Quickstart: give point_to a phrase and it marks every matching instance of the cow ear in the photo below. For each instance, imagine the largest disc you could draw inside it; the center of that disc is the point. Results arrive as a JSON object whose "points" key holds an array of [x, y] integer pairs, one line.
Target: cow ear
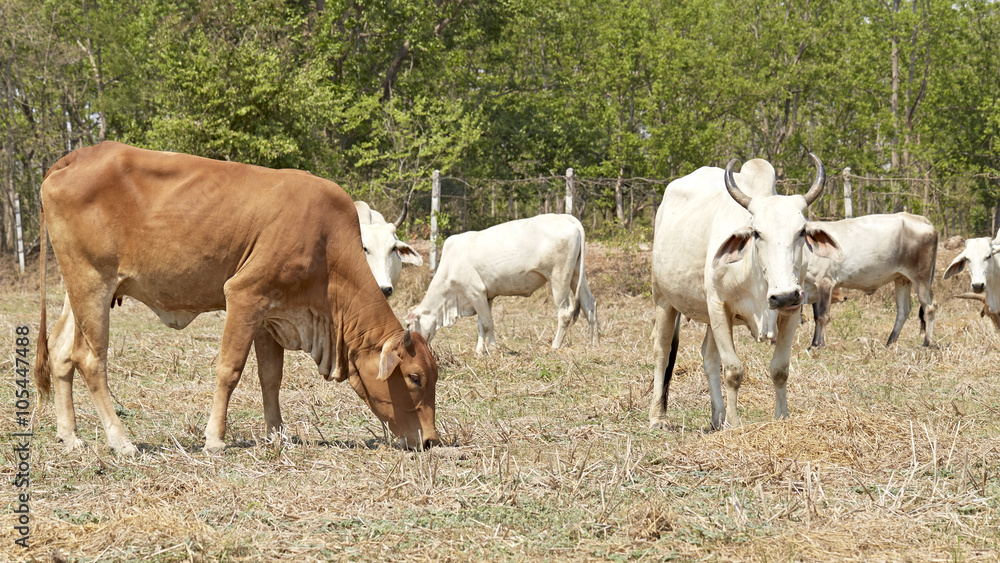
{"points": [[734, 248], [822, 244], [388, 360], [956, 266], [408, 254]]}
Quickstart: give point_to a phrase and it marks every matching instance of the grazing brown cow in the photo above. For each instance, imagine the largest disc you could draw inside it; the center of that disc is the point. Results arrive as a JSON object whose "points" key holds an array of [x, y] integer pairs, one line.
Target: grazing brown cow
{"points": [[279, 250]]}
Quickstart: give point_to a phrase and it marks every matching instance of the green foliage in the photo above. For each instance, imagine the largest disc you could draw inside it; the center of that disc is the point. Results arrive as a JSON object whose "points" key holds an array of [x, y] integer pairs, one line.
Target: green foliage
{"points": [[387, 91]]}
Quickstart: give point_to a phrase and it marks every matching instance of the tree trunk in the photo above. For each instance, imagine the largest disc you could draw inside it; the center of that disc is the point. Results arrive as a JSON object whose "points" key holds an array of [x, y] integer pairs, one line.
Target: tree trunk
{"points": [[619, 199]]}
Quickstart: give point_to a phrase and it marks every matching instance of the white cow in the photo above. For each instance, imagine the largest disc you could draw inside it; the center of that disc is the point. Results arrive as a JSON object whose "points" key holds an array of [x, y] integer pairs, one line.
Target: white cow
{"points": [[514, 258], [984, 269], [878, 249], [385, 252], [726, 249]]}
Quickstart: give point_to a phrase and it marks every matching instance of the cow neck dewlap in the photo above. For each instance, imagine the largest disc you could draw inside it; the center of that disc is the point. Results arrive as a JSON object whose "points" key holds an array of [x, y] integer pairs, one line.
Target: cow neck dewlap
{"points": [[311, 331]]}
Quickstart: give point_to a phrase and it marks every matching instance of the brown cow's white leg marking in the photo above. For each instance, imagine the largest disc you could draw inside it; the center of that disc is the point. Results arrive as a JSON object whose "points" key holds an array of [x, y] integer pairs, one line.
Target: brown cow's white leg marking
{"points": [[61, 362], [90, 356], [270, 356]]}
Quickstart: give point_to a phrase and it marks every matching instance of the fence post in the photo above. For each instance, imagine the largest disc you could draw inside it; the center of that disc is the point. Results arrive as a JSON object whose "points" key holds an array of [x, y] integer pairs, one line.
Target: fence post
{"points": [[435, 209], [848, 203], [570, 191], [20, 232]]}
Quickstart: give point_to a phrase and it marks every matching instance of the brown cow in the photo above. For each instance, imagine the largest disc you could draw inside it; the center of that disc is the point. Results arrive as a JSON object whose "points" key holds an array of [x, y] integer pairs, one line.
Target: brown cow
{"points": [[279, 250]]}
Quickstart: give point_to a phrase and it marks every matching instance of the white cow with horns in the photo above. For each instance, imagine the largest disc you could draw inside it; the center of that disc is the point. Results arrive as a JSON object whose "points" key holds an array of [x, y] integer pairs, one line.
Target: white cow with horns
{"points": [[384, 251], [513, 258], [980, 255], [878, 249], [726, 249]]}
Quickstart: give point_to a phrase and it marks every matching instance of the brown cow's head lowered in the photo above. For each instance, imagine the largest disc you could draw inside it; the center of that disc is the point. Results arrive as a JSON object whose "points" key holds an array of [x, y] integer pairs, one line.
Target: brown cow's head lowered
{"points": [[398, 386]]}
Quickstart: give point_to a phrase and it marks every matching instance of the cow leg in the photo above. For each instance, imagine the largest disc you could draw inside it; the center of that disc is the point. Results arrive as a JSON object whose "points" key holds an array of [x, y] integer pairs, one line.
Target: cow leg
{"points": [[484, 313], [270, 357], [712, 365], [821, 313], [732, 367], [781, 359], [927, 310], [589, 306], [902, 308], [242, 324], [565, 306], [61, 362], [665, 344], [92, 309]]}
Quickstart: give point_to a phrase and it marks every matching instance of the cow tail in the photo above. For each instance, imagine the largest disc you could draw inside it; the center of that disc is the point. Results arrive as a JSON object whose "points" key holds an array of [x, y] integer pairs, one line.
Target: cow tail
{"points": [[674, 344], [579, 280], [43, 379]]}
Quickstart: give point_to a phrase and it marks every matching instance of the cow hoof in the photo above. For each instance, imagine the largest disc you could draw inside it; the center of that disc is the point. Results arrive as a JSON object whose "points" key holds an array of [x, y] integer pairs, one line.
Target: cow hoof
{"points": [[72, 444], [126, 450], [659, 425], [214, 448]]}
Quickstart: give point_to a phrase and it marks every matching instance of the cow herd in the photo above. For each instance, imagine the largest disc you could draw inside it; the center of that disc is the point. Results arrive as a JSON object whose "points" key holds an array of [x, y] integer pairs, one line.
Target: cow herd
{"points": [[298, 266]]}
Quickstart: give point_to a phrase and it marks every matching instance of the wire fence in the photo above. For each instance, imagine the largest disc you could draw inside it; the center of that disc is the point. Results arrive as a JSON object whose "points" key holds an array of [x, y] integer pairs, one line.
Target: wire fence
{"points": [[607, 206], [613, 207]]}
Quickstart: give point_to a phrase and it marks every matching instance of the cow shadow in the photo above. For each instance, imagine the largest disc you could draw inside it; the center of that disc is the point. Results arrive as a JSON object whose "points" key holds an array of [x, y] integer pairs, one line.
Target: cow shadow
{"points": [[197, 447]]}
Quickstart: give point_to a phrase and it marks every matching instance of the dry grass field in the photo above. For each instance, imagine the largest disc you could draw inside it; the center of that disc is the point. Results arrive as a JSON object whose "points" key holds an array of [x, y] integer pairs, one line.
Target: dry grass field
{"points": [[889, 455]]}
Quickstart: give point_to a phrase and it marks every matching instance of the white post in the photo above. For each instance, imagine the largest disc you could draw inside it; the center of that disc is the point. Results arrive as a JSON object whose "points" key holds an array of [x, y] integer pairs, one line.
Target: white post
{"points": [[570, 191], [20, 232], [848, 204], [435, 209]]}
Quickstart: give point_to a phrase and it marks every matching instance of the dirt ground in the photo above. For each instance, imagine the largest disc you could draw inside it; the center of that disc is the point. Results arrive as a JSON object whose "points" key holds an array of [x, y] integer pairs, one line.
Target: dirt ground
{"points": [[890, 454]]}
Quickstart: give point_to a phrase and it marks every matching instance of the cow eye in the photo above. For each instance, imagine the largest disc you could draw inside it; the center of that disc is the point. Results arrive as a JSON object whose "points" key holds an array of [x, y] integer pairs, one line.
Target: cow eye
{"points": [[366, 249], [414, 378]]}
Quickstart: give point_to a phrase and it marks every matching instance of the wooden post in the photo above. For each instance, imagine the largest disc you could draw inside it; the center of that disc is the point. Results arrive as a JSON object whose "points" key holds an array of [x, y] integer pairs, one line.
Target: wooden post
{"points": [[20, 232], [435, 209], [848, 202], [570, 191]]}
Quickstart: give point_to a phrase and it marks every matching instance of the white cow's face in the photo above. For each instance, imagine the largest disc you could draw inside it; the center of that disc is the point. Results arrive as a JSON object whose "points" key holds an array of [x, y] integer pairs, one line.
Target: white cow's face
{"points": [[423, 322], [386, 254], [778, 230], [978, 256]]}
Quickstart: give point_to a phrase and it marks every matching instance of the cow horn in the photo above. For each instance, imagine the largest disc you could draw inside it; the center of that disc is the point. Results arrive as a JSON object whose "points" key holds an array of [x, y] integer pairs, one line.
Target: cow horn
{"points": [[407, 339], [817, 186], [734, 190], [402, 216]]}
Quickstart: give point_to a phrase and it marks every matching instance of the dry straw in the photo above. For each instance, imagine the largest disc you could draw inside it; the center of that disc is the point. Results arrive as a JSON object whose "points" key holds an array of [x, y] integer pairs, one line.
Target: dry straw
{"points": [[889, 455]]}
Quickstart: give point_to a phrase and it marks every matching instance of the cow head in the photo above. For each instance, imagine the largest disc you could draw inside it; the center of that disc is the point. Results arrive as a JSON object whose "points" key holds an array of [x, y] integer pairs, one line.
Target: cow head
{"points": [[777, 231], [978, 257], [422, 322], [398, 386], [386, 253]]}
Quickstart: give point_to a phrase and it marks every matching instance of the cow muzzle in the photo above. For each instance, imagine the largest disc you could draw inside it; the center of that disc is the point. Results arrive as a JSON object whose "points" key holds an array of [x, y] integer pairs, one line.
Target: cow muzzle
{"points": [[979, 287], [387, 291], [419, 443], [786, 301]]}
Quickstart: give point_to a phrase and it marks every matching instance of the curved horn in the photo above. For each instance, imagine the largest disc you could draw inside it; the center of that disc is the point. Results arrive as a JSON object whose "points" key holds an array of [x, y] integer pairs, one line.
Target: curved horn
{"points": [[817, 186], [407, 339], [734, 190], [402, 216]]}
